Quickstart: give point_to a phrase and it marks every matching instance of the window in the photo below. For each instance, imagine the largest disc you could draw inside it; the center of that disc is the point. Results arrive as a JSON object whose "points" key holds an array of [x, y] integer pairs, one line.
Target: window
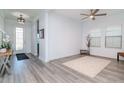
{"points": [[113, 37], [95, 39], [19, 38]]}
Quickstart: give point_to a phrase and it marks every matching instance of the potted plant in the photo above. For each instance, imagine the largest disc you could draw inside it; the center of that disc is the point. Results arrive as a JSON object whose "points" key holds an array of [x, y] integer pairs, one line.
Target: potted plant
{"points": [[5, 45], [3, 48]]}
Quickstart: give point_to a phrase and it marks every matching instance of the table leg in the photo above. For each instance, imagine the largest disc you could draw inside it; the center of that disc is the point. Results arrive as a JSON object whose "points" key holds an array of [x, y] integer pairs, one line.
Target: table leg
{"points": [[2, 70], [118, 57], [5, 66], [7, 69]]}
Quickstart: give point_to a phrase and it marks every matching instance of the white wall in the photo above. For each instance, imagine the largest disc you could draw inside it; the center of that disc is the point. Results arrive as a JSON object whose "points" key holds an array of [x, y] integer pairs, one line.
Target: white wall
{"points": [[10, 26], [43, 43], [102, 23], [64, 37], [1, 21], [34, 38]]}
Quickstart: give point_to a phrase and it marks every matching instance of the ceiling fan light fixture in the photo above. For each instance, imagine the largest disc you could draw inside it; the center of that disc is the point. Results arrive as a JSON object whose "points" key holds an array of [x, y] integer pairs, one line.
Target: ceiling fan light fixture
{"points": [[91, 16]]}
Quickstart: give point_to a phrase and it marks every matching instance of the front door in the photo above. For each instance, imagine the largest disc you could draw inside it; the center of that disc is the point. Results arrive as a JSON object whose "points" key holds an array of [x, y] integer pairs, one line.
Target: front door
{"points": [[19, 40]]}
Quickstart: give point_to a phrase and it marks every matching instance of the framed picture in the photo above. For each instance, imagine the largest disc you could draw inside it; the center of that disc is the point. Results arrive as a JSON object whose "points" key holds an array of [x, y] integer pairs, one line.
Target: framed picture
{"points": [[41, 34]]}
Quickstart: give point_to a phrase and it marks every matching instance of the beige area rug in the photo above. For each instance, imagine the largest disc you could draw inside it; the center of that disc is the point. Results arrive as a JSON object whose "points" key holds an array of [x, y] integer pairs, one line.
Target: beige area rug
{"points": [[87, 65]]}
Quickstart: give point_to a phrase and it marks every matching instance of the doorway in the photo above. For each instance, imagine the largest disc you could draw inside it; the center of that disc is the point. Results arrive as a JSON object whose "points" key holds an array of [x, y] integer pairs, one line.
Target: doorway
{"points": [[19, 40]]}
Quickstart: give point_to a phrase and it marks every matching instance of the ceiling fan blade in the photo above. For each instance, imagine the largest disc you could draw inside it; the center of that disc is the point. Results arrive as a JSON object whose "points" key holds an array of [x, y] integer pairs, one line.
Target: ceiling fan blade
{"points": [[84, 18], [91, 10], [85, 14], [95, 11], [104, 14]]}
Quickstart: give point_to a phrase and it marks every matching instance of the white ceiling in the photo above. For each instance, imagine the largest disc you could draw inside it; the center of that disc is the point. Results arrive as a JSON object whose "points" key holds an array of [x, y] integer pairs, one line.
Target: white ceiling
{"points": [[31, 13], [72, 13], [75, 13]]}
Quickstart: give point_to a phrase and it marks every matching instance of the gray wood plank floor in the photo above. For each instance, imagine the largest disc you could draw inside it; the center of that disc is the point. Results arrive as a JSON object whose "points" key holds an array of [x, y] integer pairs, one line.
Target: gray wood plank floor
{"points": [[35, 71]]}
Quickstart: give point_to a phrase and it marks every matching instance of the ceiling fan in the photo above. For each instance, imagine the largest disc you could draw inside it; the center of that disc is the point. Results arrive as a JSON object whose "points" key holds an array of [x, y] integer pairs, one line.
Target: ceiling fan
{"points": [[93, 14]]}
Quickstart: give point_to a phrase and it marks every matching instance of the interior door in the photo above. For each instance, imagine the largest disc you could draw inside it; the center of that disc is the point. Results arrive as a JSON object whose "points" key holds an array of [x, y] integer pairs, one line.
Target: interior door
{"points": [[19, 40]]}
